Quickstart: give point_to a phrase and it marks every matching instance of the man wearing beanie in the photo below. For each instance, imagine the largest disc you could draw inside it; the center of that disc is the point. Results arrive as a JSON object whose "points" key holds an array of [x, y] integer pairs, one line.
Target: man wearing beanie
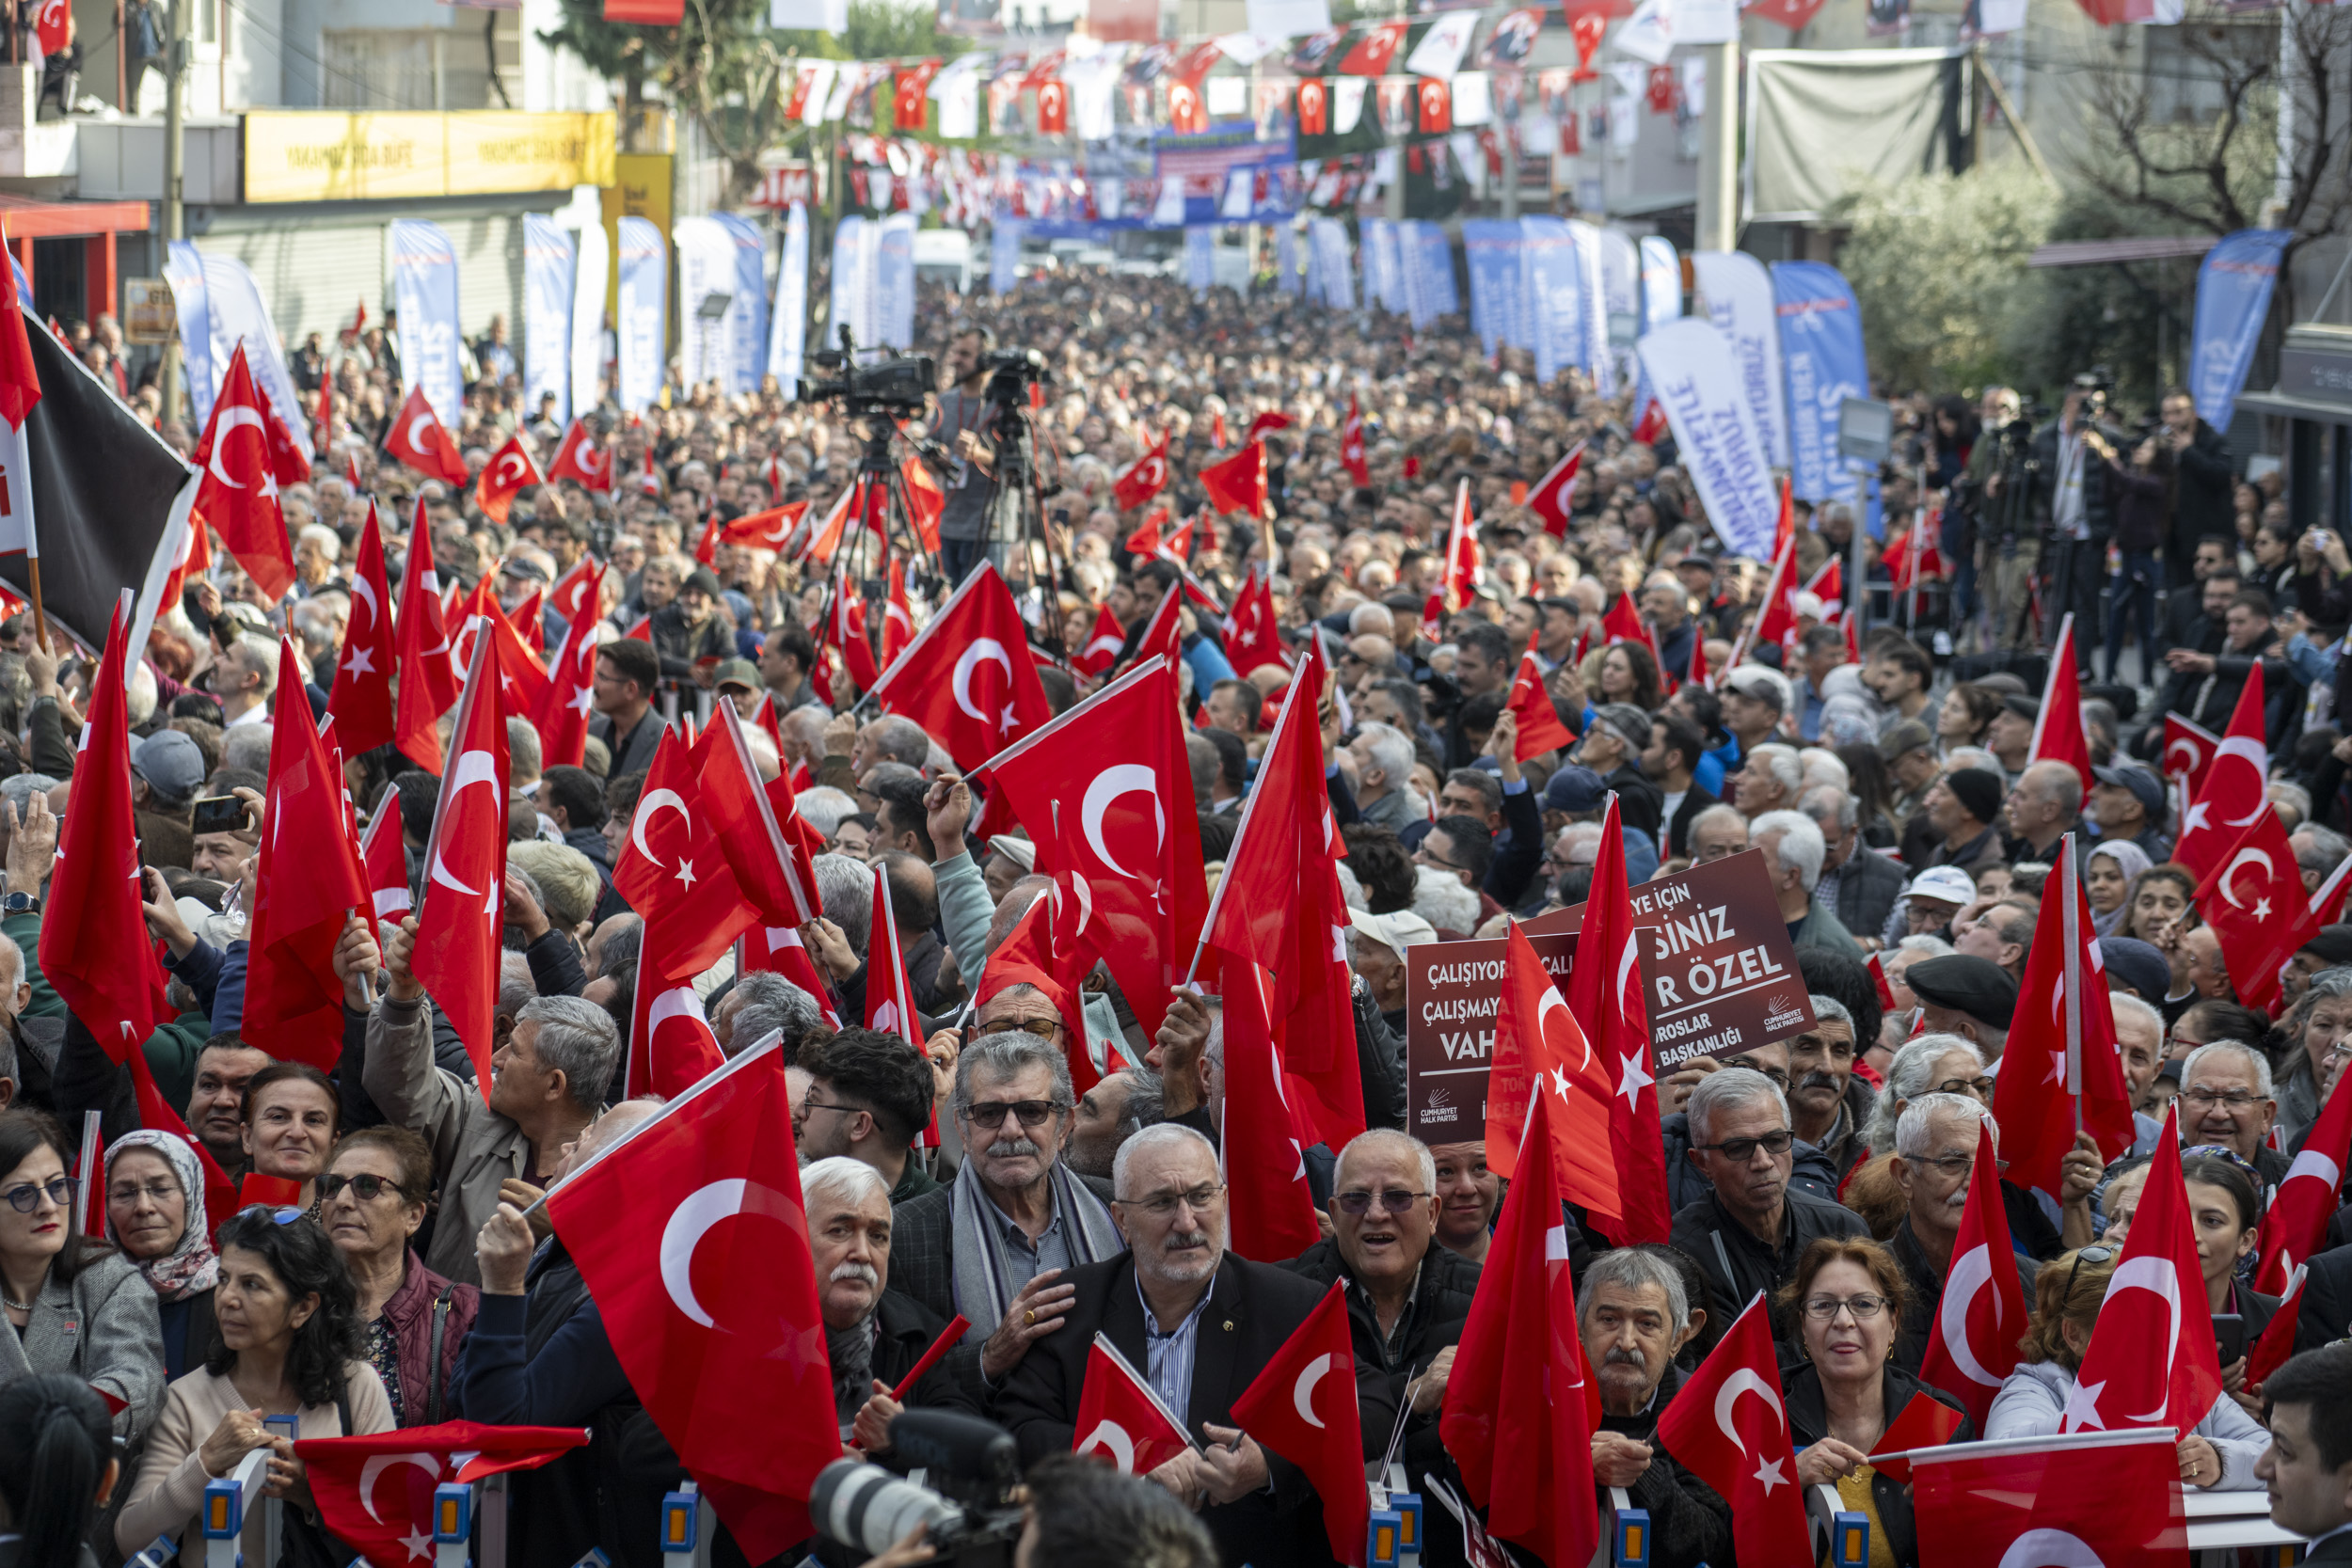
{"points": [[1958, 825]]}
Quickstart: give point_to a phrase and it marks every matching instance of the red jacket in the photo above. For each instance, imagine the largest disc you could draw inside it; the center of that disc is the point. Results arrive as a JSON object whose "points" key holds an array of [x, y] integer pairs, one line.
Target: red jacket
{"points": [[410, 1309]]}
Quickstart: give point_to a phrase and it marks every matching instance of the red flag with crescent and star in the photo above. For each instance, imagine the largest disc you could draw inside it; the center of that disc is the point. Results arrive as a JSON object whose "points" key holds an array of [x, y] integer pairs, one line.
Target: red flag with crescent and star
{"points": [[2115, 1502], [2058, 728], [1352, 445], [765, 530], [1239, 483], [1122, 1419], [967, 676], [1262, 1152], [458, 923], [1727, 1426], [374, 1493], [1102, 645], [580, 459], [238, 497], [1530, 703], [2255, 902], [361, 700], [670, 1045], [511, 470], [1552, 494], [571, 682], [428, 675], [1972, 1341], [417, 438], [1541, 1053], [2237, 784], [1302, 1406], [2296, 1225], [1609, 993], [384, 859], [1147, 477], [889, 997], [672, 868], [2188, 752]]}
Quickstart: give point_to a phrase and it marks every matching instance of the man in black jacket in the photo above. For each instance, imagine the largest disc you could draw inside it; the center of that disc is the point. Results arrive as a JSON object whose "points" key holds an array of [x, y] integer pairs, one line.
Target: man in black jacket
{"points": [[1935, 1153], [2202, 483], [1200, 1324], [2071, 504], [2204, 686], [1748, 1233], [1634, 1316]]}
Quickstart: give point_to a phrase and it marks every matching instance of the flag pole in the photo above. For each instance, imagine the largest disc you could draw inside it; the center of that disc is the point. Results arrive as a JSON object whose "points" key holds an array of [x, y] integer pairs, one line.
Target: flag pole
{"points": [[2070, 910], [40, 616]]}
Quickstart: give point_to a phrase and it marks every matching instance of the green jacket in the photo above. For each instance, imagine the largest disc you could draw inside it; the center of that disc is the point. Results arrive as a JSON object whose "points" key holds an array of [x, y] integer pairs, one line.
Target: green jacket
{"points": [[171, 1050]]}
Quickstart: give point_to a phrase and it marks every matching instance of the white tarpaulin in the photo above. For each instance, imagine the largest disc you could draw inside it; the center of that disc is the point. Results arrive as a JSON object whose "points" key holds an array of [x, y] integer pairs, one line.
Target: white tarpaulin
{"points": [[1694, 374], [1823, 121]]}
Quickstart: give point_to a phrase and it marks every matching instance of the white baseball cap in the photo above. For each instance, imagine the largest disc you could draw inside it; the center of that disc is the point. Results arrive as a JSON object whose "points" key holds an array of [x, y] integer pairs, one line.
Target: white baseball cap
{"points": [[1946, 884]]}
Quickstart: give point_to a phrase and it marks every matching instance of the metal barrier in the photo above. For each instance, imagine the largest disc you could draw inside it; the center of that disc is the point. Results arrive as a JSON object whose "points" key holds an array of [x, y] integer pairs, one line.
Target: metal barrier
{"points": [[2221, 1523], [225, 1503], [686, 1526]]}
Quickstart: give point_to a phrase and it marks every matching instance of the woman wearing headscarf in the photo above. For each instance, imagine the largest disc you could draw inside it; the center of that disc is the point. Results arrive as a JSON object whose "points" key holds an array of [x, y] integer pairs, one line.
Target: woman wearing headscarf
{"points": [[2107, 875], [155, 1214]]}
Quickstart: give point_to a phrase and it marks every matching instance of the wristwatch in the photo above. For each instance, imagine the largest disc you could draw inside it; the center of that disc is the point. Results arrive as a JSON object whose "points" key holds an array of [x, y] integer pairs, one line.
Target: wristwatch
{"points": [[21, 903]]}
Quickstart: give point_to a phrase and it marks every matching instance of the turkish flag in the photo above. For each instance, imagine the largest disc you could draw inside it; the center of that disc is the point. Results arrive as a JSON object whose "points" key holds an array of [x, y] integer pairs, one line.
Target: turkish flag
{"points": [[2188, 752], [907, 99], [528, 618], [2276, 1343], [238, 495], [1239, 483], [1053, 107], [1551, 496], [1540, 729], [1460, 580], [1541, 1053], [1102, 645], [361, 700], [571, 688], [1352, 445], [1108, 786], [1186, 114], [576, 593], [925, 501], [510, 471], [1607, 991], [1254, 636], [1623, 622], [522, 675], [778, 950], [1267, 419], [1742, 1447], [20, 379], [2061, 1072], [1437, 106], [673, 870], [384, 859], [374, 1493], [287, 460], [670, 1048], [308, 884], [2235, 790], [967, 677], [2296, 1222], [2261, 920], [1972, 1344], [2115, 1502], [1315, 107], [1375, 50], [94, 916], [579, 458], [897, 616], [417, 438], [1145, 479], [1302, 1406], [889, 999], [193, 563], [1777, 621], [1925, 1423], [2057, 730], [769, 864], [457, 950], [1517, 1417], [765, 530], [1145, 538], [706, 542], [692, 1236], [2157, 1297], [1262, 1154], [428, 677], [1121, 1418]]}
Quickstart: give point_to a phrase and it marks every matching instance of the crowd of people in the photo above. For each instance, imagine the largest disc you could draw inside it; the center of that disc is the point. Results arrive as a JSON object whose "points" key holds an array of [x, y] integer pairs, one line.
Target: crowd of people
{"points": [[407, 1273]]}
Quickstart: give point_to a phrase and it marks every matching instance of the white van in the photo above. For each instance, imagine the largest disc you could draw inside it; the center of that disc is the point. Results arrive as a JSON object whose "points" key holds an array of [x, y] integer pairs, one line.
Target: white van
{"points": [[944, 254]]}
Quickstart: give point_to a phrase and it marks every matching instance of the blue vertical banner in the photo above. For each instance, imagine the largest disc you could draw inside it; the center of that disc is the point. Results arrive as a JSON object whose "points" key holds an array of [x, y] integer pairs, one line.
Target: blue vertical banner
{"points": [[1592, 301], [1661, 302], [183, 269], [788, 323], [1554, 294], [894, 282], [747, 319], [1004, 255], [852, 303], [1286, 257], [589, 359], [1621, 298], [645, 325], [706, 274], [548, 272], [1820, 354], [1384, 246], [2234, 287], [1492, 249], [424, 291], [1333, 277], [1435, 253], [1199, 258]]}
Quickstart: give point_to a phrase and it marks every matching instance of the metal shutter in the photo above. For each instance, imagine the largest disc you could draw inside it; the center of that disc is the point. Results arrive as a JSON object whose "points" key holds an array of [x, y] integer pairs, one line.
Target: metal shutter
{"points": [[489, 272], [313, 274]]}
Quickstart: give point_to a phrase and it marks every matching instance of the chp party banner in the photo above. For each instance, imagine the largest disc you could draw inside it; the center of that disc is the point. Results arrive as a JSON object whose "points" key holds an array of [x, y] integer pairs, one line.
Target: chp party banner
{"points": [[1695, 374], [588, 357], [1199, 258], [1429, 291], [1497, 304], [1739, 299], [1554, 295], [1004, 255], [1286, 259], [183, 269], [1820, 351], [747, 314], [787, 325], [894, 282], [854, 239], [1330, 277], [644, 321], [2233, 286], [549, 270], [1593, 308], [705, 272], [425, 289]]}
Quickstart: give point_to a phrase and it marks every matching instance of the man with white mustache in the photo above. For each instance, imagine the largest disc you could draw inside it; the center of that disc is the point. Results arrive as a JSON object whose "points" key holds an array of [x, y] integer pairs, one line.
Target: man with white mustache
{"points": [[1634, 1315], [1935, 1153]]}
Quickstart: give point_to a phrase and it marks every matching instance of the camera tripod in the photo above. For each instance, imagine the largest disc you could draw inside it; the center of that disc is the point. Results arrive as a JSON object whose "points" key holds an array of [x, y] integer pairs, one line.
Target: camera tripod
{"points": [[1016, 514]]}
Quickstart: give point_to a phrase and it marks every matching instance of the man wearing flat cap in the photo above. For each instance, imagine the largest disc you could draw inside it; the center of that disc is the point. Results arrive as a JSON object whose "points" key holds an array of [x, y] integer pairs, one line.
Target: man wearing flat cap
{"points": [[1961, 994], [1963, 812], [2127, 801], [1613, 747], [2010, 737], [1908, 749]]}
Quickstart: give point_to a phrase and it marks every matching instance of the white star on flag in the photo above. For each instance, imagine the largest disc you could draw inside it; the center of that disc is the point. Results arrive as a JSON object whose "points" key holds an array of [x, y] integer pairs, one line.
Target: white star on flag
{"points": [[419, 1543], [1634, 1079], [2082, 1408], [686, 871], [358, 661], [581, 699], [1768, 1474]]}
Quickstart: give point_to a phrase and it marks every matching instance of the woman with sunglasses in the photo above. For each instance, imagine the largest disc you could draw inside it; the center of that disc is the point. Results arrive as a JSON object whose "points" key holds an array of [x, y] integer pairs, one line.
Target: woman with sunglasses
{"points": [[74, 1304], [155, 1214], [2217, 1454], [290, 1345], [2225, 1204], [373, 1195]]}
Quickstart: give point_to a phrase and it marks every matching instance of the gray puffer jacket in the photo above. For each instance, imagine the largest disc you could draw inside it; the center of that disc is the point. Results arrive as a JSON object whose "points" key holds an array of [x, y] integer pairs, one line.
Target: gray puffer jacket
{"points": [[2033, 1400]]}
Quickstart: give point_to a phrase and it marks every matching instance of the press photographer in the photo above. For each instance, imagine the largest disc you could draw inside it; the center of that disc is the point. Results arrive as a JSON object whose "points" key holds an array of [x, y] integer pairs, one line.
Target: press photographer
{"points": [[2070, 499], [969, 478]]}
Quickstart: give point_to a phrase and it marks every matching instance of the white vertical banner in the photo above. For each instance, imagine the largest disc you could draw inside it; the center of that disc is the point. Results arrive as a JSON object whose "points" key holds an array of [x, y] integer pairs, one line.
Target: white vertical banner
{"points": [[548, 272], [588, 285], [183, 269], [236, 315], [1694, 373], [705, 268], [1737, 294], [894, 283], [787, 320], [747, 318], [645, 325]]}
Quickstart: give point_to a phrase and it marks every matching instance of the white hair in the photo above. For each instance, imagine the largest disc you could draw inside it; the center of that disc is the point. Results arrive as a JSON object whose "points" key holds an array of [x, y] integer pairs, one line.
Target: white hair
{"points": [[852, 1181], [1913, 1134], [1718, 813], [1390, 753], [1439, 897], [323, 539], [1907, 1080], [824, 808], [1934, 947], [2253, 1058], [1823, 766], [1389, 1139], [1631, 1269], [1728, 1091], [1800, 843], [1780, 763], [2145, 1011], [1154, 1137]]}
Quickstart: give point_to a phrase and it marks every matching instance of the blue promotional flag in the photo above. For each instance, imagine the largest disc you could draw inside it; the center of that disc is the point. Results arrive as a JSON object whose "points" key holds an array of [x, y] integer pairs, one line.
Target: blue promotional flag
{"points": [[787, 334], [1199, 258], [894, 283], [1429, 261], [1492, 249], [1820, 354], [747, 318], [424, 291], [1004, 255], [1554, 296], [548, 272], [854, 239], [706, 274], [645, 325], [183, 270], [590, 360], [1286, 258], [2234, 287], [1661, 301]]}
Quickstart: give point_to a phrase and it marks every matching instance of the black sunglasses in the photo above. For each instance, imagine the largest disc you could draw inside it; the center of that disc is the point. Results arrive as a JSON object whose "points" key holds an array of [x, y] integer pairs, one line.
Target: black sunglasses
{"points": [[26, 1197], [1396, 1200], [368, 1185], [1741, 1150], [992, 1113], [2094, 1256]]}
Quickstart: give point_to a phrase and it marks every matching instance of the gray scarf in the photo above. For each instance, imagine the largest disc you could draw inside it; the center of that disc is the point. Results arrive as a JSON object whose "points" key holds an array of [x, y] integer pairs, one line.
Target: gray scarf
{"points": [[984, 1281], [852, 1353]]}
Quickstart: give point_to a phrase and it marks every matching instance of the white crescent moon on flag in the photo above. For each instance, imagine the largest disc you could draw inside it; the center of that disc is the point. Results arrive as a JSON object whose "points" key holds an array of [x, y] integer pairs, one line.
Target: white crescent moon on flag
{"points": [[1625, 971], [362, 589], [1746, 1381], [473, 767], [1554, 1001], [2050, 1549], [231, 417], [2252, 752], [383, 1462], [587, 459], [2263, 856], [688, 1222], [1109, 784], [1303, 1391], [653, 803], [416, 432], [678, 1002], [2156, 1277], [1971, 1274], [2182, 744], [1112, 1437], [513, 463], [981, 648]]}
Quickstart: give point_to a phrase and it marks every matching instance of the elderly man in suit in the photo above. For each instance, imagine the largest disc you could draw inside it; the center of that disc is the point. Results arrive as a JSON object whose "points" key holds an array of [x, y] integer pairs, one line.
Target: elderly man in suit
{"points": [[2308, 1467], [1200, 1323]]}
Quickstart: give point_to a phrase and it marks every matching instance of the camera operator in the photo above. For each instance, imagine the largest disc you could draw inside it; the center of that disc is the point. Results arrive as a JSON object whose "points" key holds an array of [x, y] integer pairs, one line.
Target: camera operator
{"points": [[969, 477], [1994, 489], [2071, 502], [2202, 483], [1084, 1514]]}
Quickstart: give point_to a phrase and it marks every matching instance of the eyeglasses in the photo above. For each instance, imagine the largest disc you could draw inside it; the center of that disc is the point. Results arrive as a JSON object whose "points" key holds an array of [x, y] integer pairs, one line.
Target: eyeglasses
{"points": [[1741, 1150], [2222, 1151], [1958, 1164], [2094, 1256], [1043, 1028], [2236, 1099], [26, 1198], [1423, 857], [1822, 1310], [1396, 1200], [155, 1192], [368, 1185], [1160, 1205], [992, 1113], [1980, 1087]]}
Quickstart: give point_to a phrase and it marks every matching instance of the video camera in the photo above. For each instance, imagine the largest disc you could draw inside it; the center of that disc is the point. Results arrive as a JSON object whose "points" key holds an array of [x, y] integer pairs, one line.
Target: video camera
{"points": [[2097, 386], [896, 387], [1011, 373], [861, 1510]]}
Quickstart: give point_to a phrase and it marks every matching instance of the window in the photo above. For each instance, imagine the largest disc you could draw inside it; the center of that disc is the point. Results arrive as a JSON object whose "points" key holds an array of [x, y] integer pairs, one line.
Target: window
{"points": [[2191, 67]]}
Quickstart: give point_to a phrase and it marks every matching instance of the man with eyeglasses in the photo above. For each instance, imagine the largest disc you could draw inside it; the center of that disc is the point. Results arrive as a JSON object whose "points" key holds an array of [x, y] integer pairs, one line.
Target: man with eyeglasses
{"points": [[1200, 1324], [870, 1094], [997, 1243], [1936, 1154], [1748, 1232], [2226, 1099]]}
